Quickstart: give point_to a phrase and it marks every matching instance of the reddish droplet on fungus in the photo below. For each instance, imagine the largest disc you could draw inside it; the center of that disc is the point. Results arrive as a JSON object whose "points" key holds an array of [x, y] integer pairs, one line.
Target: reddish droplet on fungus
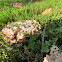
{"points": [[20, 39], [23, 31], [12, 39]]}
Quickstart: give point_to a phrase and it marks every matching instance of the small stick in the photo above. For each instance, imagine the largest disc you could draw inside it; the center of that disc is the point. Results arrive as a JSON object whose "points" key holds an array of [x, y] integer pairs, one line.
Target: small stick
{"points": [[42, 35]]}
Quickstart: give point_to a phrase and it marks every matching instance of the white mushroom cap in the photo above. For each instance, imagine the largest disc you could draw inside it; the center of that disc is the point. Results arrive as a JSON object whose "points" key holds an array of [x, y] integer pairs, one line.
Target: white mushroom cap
{"points": [[20, 36], [12, 41], [7, 32]]}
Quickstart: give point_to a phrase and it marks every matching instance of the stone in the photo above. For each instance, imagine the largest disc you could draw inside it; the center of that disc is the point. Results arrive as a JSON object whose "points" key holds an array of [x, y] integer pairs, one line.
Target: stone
{"points": [[55, 55], [45, 60]]}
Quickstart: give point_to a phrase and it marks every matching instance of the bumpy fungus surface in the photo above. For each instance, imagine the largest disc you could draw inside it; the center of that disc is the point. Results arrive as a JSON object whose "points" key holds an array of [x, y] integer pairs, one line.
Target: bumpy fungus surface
{"points": [[17, 30]]}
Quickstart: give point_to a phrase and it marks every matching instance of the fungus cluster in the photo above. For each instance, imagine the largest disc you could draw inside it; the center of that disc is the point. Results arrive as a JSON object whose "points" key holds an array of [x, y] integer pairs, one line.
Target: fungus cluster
{"points": [[16, 30]]}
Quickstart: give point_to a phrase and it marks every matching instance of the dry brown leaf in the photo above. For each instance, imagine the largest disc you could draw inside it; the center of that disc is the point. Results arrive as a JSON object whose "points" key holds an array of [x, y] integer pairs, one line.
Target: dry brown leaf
{"points": [[17, 5], [47, 11]]}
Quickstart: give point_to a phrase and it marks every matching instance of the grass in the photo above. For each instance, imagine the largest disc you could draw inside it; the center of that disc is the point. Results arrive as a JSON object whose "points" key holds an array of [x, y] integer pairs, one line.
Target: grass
{"points": [[32, 11]]}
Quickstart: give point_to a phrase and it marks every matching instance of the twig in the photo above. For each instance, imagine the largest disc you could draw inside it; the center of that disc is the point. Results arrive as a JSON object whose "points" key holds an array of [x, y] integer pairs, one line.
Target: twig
{"points": [[42, 36]]}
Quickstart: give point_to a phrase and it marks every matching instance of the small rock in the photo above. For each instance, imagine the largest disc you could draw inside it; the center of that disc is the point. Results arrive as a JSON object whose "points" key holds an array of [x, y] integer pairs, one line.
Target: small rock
{"points": [[55, 55], [45, 60]]}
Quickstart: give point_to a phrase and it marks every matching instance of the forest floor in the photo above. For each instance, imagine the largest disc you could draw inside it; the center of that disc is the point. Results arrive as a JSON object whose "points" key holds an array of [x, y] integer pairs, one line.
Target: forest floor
{"points": [[55, 53]]}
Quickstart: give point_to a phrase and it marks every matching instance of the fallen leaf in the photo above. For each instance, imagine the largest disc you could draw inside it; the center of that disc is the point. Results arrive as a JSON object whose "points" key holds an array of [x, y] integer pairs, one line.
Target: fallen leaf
{"points": [[47, 11], [17, 5]]}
